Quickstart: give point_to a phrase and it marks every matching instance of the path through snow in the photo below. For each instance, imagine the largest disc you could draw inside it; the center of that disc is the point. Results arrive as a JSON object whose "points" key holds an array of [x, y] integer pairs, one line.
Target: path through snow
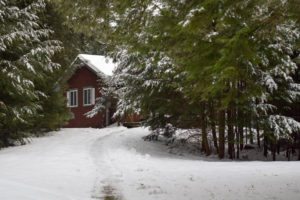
{"points": [[83, 164], [54, 167]]}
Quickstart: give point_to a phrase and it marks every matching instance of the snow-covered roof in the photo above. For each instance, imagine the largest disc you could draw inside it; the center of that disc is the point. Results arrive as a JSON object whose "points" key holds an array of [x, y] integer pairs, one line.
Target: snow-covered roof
{"points": [[99, 64]]}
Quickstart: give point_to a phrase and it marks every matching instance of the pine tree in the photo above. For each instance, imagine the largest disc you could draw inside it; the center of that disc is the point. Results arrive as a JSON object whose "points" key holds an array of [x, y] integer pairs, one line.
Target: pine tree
{"points": [[25, 57]]}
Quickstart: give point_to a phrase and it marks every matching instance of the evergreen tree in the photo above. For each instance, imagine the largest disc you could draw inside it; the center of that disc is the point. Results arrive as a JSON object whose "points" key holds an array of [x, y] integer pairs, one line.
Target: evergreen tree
{"points": [[25, 58]]}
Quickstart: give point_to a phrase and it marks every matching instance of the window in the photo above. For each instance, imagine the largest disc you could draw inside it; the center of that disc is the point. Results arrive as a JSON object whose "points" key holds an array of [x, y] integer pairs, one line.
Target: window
{"points": [[72, 97], [88, 96]]}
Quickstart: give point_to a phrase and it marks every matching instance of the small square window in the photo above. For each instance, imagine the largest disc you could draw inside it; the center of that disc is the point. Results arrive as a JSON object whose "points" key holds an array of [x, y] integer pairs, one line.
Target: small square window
{"points": [[88, 96], [72, 97]]}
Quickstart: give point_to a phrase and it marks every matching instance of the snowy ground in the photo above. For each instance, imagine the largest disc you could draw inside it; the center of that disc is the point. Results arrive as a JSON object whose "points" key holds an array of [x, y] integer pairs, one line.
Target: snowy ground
{"points": [[87, 164]]}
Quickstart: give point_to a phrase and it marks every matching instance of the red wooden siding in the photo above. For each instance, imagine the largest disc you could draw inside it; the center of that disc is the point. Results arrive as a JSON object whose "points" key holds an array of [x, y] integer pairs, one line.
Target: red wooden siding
{"points": [[81, 79]]}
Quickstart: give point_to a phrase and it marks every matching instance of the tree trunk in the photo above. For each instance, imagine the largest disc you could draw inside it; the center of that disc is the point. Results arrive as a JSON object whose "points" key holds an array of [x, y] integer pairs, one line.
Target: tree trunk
{"points": [[214, 133], [205, 145], [274, 154], [265, 145], [257, 134], [240, 129], [236, 131], [251, 134], [230, 134], [4, 138], [298, 144], [237, 144], [240, 119], [221, 134], [213, 126], [274, 148], [246, 134]]}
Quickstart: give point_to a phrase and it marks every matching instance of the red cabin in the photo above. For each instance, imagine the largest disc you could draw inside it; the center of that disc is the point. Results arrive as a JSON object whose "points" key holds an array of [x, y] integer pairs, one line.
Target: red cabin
{"points": [[88, 73]]}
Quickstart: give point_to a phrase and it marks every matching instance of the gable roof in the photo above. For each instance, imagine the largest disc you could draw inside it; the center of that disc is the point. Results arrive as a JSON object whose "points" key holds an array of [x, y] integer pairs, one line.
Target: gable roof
{"points": [[100, 65]]}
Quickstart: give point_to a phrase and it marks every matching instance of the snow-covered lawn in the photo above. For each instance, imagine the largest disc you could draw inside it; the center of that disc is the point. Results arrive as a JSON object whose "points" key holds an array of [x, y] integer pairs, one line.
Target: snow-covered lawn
{"points": [[85, 164]]}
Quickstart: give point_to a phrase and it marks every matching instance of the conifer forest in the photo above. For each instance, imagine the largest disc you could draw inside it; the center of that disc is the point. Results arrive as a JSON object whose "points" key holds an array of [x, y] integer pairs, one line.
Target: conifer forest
{"points": [[149, 99], [229, 69]]}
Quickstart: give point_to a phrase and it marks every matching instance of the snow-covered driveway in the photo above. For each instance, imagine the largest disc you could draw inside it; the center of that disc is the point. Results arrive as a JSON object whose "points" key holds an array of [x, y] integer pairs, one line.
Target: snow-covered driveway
{"points": [[85, 164], [55, 167]]}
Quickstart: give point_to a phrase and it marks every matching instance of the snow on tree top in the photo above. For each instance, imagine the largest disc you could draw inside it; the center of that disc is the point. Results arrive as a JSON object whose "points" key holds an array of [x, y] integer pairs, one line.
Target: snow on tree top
{"points": [[100, 64]]}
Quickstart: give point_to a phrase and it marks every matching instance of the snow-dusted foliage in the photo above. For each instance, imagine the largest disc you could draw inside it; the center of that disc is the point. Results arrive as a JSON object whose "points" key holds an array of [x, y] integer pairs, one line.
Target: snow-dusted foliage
{"points": [[276, 66], [190, 16], [253, 47], [259, 40], [283, 126], [274, 73], [25, 55], [107, 95], [207, 64], [145, 83], [126, 78]]}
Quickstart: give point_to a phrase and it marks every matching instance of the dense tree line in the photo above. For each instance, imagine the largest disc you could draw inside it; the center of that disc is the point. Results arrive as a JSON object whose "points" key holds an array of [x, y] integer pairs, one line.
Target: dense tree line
{"points": [[223, 66]]}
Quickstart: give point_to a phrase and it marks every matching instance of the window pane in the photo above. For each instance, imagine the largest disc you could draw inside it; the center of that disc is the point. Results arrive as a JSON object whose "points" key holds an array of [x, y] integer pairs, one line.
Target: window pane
{"points": [[87, 96], [92, 95], [73, 98]]}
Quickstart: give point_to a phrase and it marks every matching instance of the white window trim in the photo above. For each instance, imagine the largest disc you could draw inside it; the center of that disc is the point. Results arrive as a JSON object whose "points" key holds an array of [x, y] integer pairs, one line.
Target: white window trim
{"points": [[92, 96], [68, 98]]}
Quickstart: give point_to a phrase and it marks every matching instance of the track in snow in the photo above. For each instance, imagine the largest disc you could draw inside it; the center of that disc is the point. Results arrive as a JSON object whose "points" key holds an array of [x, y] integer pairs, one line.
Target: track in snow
{"points": [[55, 167], [87, 164]]}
